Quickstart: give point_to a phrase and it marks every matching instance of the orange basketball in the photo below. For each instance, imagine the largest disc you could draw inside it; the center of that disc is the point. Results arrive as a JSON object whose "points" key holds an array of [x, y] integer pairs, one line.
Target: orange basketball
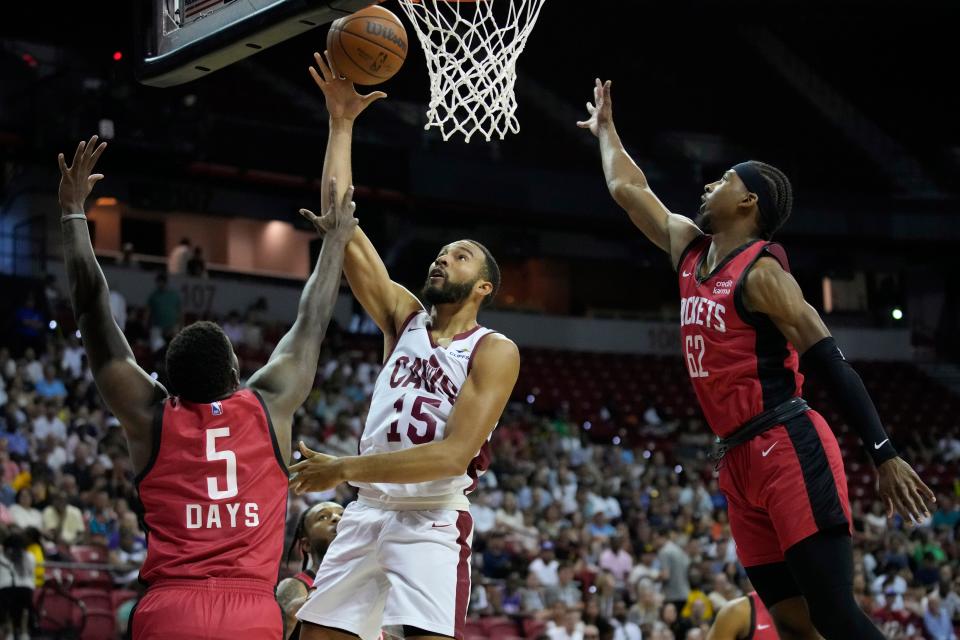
{"points": [[368, 46]]}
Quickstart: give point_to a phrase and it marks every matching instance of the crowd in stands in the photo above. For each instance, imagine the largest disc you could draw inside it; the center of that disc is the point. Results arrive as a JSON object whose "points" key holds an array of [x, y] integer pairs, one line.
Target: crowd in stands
{"points": [[574, 539]]}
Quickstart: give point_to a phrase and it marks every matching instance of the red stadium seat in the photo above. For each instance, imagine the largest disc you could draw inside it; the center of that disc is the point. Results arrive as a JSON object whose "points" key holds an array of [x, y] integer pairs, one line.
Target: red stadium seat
{"points": [[497, 622], [100, 625], [58, 612], [533, 628], [90, 553], [94, 598]]}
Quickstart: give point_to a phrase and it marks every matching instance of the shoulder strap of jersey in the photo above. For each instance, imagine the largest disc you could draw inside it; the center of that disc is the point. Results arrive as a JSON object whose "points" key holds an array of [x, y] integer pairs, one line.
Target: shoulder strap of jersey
{"points": [[156, 430], [697, 243], [774, 250], [273, 434]]}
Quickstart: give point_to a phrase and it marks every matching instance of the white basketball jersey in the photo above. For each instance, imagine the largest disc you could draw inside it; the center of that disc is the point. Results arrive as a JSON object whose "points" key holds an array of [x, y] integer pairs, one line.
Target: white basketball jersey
{"points": [[412, 401]]}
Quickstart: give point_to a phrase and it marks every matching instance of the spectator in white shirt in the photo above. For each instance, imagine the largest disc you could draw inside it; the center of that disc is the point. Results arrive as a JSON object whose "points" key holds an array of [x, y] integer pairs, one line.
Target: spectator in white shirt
{"points": [[23, 514], [545, 566], [484, 517], [72, 360], [49, 423], [623, 629], [570, 626]]}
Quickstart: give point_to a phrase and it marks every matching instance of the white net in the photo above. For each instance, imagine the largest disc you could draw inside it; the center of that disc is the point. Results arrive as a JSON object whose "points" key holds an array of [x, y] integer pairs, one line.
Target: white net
{"points": [[472, 50]]}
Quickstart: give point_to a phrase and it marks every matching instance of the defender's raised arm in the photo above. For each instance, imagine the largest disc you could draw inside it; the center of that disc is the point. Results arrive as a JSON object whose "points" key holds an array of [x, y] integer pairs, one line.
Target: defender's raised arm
{"points": [[628, 185]]}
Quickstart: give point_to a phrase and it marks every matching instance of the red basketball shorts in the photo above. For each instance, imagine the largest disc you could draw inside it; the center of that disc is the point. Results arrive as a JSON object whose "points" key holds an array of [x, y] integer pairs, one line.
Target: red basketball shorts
{"points": [[783, 486], [210, 609]]}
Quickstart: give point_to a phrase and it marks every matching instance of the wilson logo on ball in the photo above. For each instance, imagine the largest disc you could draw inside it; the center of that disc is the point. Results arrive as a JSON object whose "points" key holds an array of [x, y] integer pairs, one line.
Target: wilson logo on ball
{"points": [[385, 32]]}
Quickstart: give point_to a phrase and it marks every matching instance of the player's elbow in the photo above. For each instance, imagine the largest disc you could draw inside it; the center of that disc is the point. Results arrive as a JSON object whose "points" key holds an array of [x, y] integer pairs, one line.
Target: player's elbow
{"points": [[624, 191]]}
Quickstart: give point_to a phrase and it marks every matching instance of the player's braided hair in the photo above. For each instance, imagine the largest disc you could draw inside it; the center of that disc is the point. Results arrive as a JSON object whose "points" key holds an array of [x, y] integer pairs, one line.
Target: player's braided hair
{"points": [[781, 193], [298, 534], [199, 363], [491, 272]]}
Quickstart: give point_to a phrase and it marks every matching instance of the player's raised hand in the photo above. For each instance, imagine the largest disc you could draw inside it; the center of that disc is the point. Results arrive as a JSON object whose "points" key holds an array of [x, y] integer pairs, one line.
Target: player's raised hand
{"points": [[338, 219], [76, 181], [343, 101], [903, 492], [600, 110], [316, 472]]}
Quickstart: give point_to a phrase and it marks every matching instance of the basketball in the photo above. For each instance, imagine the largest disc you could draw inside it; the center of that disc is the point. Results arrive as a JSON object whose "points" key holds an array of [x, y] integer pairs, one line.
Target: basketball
{"points": [[369, 46]]}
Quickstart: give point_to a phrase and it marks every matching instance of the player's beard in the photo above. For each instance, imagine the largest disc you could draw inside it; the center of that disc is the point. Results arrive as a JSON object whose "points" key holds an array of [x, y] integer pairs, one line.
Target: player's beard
{"points": [[448, 293], [704, 221]]}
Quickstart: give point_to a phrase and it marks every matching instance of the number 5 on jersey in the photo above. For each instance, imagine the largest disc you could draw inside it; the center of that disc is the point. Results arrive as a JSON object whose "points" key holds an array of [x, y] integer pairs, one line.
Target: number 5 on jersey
{"points": [[416, 413], [694, 347], [229, 457]]}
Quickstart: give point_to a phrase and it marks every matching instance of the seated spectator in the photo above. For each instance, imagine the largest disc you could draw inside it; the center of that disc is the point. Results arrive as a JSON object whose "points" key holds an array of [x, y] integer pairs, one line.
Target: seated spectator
{"points": [[484, 517], [50, 424], [62, 522], [497, 561], [103, 526], [545, 566], [532, 597], [617, 561], [23, 512], [936, 619], [623, 627], [51, 387], [567, 591], [566, 624], [599, 527]]}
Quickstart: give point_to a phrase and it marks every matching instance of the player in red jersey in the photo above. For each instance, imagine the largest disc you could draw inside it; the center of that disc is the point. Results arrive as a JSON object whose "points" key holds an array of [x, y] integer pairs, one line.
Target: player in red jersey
{"points": [[743, 618], [211, 460], [743, 323], [316, 529]]}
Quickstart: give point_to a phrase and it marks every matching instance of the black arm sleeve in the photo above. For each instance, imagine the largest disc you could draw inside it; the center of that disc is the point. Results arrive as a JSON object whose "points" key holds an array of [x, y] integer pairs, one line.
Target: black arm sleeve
{"points": [[825, 361]]}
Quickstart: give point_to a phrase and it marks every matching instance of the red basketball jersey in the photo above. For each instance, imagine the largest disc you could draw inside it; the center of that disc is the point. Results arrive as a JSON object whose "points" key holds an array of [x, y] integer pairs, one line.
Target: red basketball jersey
{"points": [[739, 362], [215, 492], [761, 627]]}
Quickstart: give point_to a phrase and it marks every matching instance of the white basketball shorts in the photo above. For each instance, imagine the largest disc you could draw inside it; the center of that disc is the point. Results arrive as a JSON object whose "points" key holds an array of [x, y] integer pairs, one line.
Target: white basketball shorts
{"points": [[394, 568]]}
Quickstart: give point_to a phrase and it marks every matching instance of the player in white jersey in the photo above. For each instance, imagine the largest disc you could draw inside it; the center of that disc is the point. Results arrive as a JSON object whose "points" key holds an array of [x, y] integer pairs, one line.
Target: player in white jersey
{"points": [[402, 551]]}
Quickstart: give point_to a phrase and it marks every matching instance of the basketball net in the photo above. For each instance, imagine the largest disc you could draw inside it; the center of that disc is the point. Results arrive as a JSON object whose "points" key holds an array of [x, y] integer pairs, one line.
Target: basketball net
{"points": [[472, 61]]}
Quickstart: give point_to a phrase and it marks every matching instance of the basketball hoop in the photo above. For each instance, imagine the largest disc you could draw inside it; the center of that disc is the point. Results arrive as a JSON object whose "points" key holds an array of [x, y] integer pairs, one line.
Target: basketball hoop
{"points": [[472, 48]]}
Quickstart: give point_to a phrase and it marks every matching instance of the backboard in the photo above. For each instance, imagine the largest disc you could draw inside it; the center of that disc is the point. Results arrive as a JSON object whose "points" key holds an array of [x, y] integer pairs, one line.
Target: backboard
{"points": [[184, 40]]}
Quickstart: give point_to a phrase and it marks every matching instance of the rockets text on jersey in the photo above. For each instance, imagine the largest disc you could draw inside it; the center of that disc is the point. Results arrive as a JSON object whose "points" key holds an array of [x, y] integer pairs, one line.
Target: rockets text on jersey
{"points": [[738, 361]]}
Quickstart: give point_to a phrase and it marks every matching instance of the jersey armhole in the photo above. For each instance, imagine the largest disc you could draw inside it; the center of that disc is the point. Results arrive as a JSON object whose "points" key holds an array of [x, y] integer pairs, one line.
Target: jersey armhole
{"points": [[686, 250], [273, 434], [773, 250], [156, 435], [403, 327], [476, 346]]}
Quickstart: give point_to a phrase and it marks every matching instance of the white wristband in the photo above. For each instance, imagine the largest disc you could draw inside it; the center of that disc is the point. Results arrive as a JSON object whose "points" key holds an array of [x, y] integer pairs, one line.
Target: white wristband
{"points": [[73, 216]]}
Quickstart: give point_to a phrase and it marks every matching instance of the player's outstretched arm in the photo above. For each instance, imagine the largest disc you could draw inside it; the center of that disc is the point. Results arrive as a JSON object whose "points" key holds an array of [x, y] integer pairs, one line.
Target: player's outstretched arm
{"points": [[387, 302], [732, 621], [130, 393], [287, 378], [628, 185], [482, 399], [770, 290]]}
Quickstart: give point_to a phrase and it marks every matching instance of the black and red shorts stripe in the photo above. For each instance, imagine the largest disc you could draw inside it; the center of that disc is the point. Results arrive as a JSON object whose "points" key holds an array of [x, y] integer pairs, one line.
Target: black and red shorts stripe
{"points": [[783, 486]]}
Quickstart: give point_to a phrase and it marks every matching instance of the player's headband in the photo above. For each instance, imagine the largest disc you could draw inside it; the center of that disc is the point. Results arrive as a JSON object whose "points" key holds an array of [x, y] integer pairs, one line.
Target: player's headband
{"points": [[755, 183]]}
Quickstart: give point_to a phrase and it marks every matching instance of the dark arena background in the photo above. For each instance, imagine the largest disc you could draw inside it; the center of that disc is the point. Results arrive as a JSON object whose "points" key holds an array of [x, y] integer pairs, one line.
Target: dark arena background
{"points": [[601, 460]]}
